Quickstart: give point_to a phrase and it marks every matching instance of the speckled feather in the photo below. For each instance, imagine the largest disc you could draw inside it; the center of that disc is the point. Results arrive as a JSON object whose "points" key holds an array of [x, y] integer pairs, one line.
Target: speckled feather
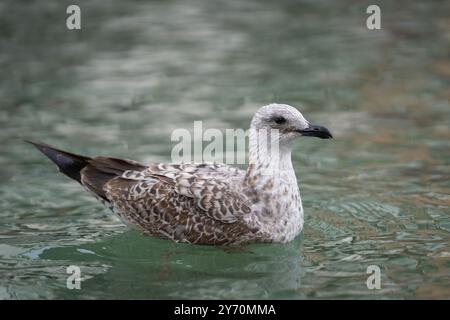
{"points": [[205, 203], [193, 203]]}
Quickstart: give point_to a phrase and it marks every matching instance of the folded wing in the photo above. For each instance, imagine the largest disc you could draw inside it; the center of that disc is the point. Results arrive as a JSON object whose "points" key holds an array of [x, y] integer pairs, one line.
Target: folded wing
{"points": [[204, 189]]}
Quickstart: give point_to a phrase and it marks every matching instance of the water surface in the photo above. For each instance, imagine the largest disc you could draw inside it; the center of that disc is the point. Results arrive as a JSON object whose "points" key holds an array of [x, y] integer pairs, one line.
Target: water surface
{"points": [[378, 194]]}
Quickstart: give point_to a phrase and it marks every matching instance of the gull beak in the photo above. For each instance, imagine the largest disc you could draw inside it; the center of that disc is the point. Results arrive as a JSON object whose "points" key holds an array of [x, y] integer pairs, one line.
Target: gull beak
{"points": [[316, 131]]}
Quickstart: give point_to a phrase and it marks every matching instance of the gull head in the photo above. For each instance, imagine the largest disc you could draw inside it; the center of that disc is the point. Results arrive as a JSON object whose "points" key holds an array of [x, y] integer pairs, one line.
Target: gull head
{"points": [[288, 122]]}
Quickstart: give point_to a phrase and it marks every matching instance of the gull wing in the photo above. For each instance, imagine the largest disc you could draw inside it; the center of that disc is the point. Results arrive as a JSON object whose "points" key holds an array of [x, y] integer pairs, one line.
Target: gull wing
{"points": [[187, 189]]}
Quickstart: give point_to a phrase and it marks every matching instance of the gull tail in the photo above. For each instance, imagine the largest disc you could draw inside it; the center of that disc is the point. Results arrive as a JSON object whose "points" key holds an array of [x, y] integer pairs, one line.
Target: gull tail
{"points": [[68, 163], [92, 173]]}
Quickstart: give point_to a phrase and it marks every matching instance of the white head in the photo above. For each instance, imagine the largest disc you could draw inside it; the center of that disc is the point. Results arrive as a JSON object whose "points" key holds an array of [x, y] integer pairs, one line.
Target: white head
{"points": [[288, 121]]}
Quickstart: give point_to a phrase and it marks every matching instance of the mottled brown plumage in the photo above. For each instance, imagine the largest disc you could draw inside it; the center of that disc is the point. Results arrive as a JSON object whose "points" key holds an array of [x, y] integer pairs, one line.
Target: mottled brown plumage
{"points": [[205, 203], [192, 203]]}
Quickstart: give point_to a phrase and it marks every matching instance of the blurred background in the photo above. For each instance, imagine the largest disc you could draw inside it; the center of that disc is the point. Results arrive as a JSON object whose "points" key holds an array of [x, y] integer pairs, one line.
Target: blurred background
{"points": [[378, 194]]}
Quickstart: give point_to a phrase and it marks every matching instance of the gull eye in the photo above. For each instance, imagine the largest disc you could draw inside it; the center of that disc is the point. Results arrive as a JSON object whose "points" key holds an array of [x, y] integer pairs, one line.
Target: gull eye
{"points": [[279, 120]]}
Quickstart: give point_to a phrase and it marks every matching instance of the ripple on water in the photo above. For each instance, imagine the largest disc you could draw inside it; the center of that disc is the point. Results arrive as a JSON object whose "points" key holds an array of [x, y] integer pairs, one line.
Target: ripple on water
{"points": [[376, 194]]}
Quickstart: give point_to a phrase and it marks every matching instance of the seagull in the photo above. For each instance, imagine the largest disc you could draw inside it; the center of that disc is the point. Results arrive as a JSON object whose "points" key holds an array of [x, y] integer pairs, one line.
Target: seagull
{"points": [[206, 203]]}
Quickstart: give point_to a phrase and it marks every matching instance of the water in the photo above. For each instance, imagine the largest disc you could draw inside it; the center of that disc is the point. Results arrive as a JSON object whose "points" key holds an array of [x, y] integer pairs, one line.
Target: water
{"points": [[378, 194]]}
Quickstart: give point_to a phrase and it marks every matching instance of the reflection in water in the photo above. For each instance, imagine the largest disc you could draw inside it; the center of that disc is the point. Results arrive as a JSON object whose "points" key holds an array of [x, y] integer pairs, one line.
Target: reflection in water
{"points": [[177, 271], [378, 195], [180, 272]]}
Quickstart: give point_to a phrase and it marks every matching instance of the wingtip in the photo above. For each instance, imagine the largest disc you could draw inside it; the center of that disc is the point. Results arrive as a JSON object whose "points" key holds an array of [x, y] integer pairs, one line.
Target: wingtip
{"points": [[68, 163], [28, 141], [37, 144], [32, 142]]}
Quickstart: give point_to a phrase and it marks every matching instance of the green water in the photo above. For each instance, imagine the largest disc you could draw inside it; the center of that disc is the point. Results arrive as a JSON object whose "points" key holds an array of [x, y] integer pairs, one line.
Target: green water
{"points": [[377, 194]]}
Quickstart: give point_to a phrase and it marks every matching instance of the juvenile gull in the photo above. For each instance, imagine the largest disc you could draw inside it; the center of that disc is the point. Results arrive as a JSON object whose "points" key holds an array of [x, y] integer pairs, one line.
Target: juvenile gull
{"points": [[206, 203]]}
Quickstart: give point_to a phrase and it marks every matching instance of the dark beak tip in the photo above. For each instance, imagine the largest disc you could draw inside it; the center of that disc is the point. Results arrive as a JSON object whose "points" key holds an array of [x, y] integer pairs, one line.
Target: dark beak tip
{"points": [[317, 131]]}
